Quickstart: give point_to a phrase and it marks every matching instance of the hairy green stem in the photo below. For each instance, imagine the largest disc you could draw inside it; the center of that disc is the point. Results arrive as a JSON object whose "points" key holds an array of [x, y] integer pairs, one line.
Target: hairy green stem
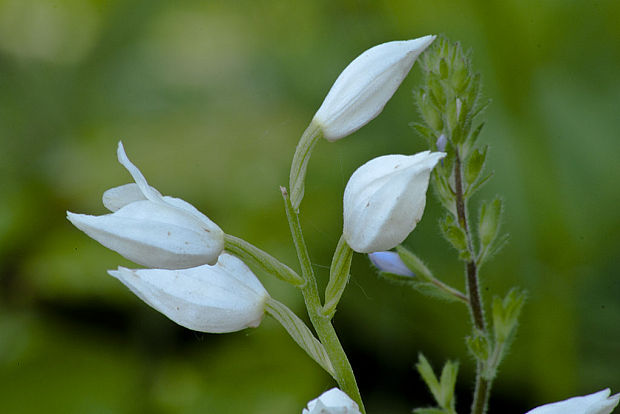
{"points": [[322, 324], [481, 393], [483, 386]]}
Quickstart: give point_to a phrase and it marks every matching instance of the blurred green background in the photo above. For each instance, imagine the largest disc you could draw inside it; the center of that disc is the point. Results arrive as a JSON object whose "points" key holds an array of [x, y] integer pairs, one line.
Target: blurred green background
{"points": [[210, 98]]}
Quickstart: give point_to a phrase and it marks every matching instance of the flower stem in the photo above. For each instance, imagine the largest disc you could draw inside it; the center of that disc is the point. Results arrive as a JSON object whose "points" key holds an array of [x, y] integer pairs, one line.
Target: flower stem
{"points": [[483, 386], [322, 324]]}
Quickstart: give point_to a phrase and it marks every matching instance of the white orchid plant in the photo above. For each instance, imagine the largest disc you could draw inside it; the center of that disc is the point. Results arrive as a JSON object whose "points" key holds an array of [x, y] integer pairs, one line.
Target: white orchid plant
{"points": [[202, 278]]}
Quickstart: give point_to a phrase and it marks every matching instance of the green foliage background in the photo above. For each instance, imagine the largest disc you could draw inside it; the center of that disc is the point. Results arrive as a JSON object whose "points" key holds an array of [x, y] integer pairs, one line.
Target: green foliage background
{"points": [[210, 98]]}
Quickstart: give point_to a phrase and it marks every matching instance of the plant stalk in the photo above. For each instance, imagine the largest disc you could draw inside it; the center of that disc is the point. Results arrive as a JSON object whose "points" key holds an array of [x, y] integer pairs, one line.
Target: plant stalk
{"points": [[322, 324], [483, 386]]}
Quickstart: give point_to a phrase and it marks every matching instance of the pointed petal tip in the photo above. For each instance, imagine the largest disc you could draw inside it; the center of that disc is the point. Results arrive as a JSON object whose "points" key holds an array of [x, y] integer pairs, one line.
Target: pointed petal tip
{"points": [[76, 218], [421, 43], [117, 273]]}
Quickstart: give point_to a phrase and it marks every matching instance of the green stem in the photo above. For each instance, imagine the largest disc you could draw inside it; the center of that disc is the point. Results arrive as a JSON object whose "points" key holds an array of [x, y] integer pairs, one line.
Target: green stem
{"points": [[322, 324], [252, 255], [483, 386], [481, 393]]}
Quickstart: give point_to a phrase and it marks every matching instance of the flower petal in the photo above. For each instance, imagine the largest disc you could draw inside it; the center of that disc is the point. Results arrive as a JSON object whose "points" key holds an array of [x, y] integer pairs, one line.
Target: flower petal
{"points": [[149, 192], [226, 297], [366, 85]]}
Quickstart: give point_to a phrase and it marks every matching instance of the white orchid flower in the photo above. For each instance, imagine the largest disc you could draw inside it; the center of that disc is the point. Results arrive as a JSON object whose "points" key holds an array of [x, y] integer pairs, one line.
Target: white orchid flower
{"points": [[226, 297], [366, 85], [384, 200], [150, 229]]}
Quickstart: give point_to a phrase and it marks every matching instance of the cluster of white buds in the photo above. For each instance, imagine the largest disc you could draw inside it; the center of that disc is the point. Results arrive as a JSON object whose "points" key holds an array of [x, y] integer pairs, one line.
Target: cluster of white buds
{"points": [[191, 281]]}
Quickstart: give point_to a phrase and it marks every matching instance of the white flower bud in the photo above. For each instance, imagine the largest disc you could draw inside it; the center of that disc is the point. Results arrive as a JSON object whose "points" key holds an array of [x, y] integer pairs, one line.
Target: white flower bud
{"points": [[333, 401], [226, 297], [384, 200], [364, 87], [390, 262], [597, 403], [150, 229]]}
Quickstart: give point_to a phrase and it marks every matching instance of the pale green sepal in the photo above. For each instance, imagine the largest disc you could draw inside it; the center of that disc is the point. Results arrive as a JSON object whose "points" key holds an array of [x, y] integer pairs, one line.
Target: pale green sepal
{"points": [[297, 178], [253, 256], [300, 333], [338, 277]]}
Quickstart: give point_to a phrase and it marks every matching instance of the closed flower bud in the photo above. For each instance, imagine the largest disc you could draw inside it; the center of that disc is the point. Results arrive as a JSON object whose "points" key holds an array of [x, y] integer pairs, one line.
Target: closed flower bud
{"points": [[385, 198], [150, 229], [333, 401], [390, 262], [597, 403], [364, 87], [226, 297]]}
